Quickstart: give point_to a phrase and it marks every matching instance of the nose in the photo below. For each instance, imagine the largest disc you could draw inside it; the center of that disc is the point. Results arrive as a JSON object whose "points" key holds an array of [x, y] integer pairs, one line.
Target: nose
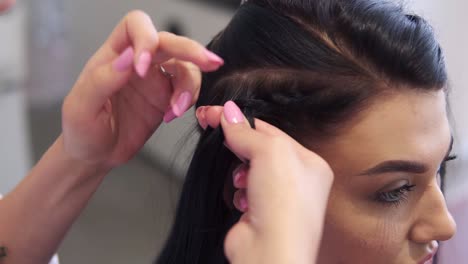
{"points": [[434, 220]]}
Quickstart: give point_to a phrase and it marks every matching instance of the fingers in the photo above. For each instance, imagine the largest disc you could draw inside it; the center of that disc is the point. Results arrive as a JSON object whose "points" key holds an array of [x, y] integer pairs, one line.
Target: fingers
{"points": [[239, 177], [134, 46], [240, 138], [186, 84], [238, 241], [96, 86], [209, 116], [240, 200], [138, 31], [182, 48]]}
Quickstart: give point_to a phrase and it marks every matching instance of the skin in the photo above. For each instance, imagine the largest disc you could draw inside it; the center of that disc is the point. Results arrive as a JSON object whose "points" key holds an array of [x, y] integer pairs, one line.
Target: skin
{"points": [[118, 101], [410, 126], [407, 126], [279, 195], [121, 97]]}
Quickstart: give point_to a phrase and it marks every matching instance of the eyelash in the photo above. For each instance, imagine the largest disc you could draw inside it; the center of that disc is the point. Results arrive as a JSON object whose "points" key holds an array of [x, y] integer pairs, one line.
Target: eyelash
{"points": [[398, 196], [395, 197]]}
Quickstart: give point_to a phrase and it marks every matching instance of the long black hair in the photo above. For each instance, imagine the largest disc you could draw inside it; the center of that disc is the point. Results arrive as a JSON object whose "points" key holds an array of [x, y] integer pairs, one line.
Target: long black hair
{"points": [[307, 67]]}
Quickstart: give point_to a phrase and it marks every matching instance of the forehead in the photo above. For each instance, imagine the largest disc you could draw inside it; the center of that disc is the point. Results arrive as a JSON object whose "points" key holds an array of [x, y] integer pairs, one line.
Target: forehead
{"points": [[408, 125]]}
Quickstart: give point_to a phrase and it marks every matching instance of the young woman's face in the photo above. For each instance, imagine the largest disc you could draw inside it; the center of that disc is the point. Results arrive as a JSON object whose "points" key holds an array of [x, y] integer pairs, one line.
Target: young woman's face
{"points": [[386, 205]]}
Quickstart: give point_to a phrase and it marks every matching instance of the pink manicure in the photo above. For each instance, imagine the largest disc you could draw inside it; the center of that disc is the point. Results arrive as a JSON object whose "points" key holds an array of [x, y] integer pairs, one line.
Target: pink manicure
{"points": [[213, 57], [232, 113], [143, 64], [182, 104], [243, 203], [169, 116], [124, 61], [239, 177], [200, 114]]}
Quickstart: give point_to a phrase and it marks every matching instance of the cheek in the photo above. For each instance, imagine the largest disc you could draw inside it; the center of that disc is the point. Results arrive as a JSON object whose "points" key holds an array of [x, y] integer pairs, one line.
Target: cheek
{"points": [[360, 235]]}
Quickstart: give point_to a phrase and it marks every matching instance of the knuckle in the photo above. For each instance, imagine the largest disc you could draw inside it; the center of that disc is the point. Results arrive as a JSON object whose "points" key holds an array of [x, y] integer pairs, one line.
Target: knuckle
{"points": [[278, 143], [165, 34], [229, 247]]}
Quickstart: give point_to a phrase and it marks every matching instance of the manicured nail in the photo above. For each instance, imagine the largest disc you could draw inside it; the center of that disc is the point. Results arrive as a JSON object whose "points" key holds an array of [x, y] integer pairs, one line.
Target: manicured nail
{"points": [[182, 104], [243, 203], [239, 173], [232, 113], [200, 114], [213, 57], [169, 116], [124, 61], [143, 63]]}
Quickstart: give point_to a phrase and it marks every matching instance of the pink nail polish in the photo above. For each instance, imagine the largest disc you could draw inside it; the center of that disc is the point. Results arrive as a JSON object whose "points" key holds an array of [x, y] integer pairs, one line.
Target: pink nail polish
{"points": [[232, 113], [236, 178], [243, 203], [143, 63], [182, 104], [238, 173], [213, 57], [200, 114], [169, 116], [124, 61]]}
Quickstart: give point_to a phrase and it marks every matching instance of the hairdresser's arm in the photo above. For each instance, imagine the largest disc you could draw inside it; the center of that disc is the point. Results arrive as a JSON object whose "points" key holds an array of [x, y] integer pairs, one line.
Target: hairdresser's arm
{"points": [[119, 100], [36, 215]]}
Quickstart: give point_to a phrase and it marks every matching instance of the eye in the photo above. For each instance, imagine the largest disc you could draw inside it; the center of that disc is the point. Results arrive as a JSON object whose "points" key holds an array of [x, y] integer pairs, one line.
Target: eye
{"points": [[396, 196], [442, 171]]}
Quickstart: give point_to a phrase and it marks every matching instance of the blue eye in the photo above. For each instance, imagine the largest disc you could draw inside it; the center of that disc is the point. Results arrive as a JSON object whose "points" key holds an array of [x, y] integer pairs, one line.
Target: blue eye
{"points": [[396, 196]]}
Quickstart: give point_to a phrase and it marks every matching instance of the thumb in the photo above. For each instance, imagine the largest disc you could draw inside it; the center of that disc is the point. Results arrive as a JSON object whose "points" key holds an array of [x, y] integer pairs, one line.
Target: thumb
{"points": [[100, 83], [241, 139]]}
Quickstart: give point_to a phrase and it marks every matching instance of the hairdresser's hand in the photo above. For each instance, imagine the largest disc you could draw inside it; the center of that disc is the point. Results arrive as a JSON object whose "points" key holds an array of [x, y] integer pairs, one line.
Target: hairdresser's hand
{"points": [[122, 95], [284, 196]]}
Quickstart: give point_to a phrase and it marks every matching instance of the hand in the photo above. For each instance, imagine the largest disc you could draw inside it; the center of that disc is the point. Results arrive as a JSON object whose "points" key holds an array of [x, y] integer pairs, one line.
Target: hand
{"points": [[122, 95], [284, 191]]}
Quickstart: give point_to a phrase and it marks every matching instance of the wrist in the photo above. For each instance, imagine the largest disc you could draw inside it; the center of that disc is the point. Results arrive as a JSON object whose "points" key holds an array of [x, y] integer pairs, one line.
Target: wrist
{"points": [[86, 168]]}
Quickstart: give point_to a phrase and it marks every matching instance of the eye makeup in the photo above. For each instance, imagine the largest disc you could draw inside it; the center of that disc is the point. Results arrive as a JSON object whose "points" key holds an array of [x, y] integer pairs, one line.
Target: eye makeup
{"points": [[399, 195]]}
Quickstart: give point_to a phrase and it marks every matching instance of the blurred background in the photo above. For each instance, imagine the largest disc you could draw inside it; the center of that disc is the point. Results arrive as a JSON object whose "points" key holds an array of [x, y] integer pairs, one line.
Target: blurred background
{"points": [[45, 45]]}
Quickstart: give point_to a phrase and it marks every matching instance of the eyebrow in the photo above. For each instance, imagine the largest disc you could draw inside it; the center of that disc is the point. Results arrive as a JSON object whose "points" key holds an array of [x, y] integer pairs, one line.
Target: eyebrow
{"points": [[392, 166]]}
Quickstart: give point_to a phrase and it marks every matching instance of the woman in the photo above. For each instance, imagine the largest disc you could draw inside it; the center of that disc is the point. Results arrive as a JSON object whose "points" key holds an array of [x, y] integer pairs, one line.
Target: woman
{"points": [[121, 97], [360, 83]]}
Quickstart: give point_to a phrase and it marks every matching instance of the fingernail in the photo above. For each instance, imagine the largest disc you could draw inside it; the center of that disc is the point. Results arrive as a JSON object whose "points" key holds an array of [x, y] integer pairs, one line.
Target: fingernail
{"points": [[124, 61], [238, 173], [143, 63], [169, 116], [213, 57], [200, 114], [243, 203], [232, 113], [182, 104]]}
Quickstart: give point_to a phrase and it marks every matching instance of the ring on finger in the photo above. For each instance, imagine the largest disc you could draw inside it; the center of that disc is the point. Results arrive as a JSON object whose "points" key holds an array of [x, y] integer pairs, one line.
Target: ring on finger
{"points": [[165, 73]]}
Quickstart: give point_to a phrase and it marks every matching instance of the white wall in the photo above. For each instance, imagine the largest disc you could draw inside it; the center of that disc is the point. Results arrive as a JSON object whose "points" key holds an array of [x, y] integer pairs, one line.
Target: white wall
{"points": [[14, 143], [448, 18]]}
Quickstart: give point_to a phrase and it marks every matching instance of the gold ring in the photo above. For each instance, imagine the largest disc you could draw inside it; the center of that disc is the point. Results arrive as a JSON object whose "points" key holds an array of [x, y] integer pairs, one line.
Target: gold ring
{"points": [[165, 73]]}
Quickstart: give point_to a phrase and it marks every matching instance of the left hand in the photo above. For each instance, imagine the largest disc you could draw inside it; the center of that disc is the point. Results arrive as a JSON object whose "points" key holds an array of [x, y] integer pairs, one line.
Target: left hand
{"points": [[121, 97]]}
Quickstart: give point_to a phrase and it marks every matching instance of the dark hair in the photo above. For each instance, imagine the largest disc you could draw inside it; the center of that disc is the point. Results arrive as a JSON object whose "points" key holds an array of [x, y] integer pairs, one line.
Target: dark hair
{"points": [[307, 67]]}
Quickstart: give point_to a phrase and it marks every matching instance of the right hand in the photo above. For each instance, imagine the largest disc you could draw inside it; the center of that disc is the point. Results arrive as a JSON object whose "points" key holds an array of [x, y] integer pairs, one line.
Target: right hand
{"points": [[122, 96], [285, 184]]}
